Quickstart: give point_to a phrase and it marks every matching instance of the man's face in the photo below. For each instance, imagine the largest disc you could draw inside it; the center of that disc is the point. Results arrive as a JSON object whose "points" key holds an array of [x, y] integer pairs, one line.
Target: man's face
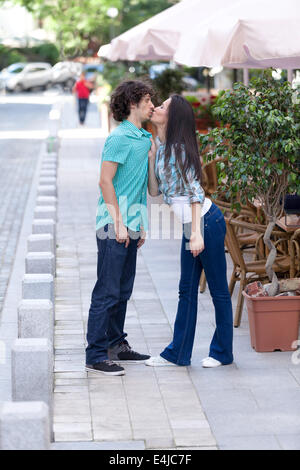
{"points": [[144, 108]]}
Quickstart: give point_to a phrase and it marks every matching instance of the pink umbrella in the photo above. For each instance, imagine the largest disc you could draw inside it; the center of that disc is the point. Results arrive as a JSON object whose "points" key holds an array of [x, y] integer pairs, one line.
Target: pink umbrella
{"points": [[158, 37], [248, 34]]}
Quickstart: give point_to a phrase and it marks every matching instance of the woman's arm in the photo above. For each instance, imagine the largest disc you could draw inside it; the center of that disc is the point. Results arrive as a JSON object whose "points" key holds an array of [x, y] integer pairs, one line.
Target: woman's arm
{"points": [[196, 240], [152, 181]]}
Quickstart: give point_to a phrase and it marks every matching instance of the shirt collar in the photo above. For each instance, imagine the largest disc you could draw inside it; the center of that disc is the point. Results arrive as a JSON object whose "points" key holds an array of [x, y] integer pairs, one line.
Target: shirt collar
{"points": [[138, 132]]}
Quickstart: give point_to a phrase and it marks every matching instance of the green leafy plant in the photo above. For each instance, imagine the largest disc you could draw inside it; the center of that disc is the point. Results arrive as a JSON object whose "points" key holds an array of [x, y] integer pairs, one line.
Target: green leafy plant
{"points": [[261, 145]]}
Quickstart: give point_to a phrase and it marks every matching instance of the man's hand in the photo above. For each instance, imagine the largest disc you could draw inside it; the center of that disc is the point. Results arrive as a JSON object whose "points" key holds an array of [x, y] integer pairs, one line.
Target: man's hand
{"points": [[122, 234], [196, 244], [142, 238]]}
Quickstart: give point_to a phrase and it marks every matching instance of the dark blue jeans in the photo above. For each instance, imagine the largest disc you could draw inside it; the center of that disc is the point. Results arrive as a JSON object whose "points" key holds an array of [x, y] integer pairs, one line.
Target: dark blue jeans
{"points": [[213, 261], [115, 272], [82, 108]]}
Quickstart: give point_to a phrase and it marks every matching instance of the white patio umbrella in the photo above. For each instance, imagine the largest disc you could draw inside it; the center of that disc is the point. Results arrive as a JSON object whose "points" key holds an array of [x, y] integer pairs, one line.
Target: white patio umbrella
{"points": [[249, 34], [158, 37]]}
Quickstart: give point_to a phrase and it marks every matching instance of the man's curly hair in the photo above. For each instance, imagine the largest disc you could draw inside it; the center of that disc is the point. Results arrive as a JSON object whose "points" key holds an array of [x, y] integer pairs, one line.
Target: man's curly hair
{"points": [[127, 93]]}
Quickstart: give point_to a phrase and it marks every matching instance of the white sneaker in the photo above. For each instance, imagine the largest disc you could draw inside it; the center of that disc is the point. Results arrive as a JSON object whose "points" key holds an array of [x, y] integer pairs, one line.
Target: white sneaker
{"points": [[210, 362], [158, 361]]}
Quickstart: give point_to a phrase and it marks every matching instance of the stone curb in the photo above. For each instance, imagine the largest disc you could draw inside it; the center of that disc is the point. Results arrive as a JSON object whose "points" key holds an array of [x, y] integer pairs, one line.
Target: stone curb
{"points": [[24, 426], [36, 319], [27, 422]]}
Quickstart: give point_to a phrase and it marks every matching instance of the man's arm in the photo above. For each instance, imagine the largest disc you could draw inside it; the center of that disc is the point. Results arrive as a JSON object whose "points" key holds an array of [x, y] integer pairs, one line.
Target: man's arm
{"points": [[108, 171]]}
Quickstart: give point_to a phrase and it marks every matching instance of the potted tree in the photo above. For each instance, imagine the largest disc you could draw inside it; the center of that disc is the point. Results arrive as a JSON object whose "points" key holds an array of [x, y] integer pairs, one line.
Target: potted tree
{"points": [[260, 142]]}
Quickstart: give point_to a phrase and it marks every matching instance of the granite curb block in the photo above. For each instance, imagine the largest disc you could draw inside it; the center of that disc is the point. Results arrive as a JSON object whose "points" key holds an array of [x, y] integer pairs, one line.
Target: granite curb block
{"points": [[32, 370], [40, 226], [24, 426], [47, 180], [51, 155], [40, 242], [44, 190], [46, 200], [48, 173], [38, 286], [40, 262], [45, 212], [36, 319], [50, 158]]}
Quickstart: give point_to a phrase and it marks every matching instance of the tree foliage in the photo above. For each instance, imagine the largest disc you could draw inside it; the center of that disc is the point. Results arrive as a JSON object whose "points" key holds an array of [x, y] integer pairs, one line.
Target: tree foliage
{"points": [[261, 146], [80, 23]]}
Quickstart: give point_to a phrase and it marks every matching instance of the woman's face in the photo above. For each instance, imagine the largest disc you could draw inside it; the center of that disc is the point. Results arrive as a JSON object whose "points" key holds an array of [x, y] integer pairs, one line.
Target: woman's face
{"points": [[160, 114]]}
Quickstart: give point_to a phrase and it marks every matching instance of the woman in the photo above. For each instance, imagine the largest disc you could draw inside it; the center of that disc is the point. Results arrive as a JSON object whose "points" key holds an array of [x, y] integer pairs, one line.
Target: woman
{"points": [[175, 171]]}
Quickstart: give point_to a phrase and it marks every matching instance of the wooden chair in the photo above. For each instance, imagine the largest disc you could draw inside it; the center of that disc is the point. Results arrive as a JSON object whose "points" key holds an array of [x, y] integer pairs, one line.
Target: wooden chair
{"points": [[255, 268], [247, 237], [295, 253]]}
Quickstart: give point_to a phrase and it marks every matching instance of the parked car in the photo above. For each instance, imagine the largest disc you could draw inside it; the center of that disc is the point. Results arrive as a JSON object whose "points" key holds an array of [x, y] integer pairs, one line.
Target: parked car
{"points": [[66, 73], [9, 72], [21, 76]]}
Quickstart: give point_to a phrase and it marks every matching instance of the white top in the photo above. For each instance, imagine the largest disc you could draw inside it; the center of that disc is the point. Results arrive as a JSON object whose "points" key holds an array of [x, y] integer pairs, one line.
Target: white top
{"points": [[181, 207]]}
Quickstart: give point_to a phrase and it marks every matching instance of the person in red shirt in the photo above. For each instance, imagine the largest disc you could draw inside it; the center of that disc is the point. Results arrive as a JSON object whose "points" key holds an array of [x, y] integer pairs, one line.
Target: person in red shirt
{"points": [[82, 89]]}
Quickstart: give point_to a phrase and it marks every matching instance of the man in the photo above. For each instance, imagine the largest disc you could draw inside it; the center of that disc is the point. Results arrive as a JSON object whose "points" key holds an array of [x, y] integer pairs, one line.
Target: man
{"points": [[121, 222], [82, 89]]}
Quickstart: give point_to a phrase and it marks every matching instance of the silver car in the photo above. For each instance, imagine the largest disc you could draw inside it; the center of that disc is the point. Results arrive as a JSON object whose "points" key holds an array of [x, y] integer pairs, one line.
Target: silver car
{"points": [[66, 73], [20, 76]]}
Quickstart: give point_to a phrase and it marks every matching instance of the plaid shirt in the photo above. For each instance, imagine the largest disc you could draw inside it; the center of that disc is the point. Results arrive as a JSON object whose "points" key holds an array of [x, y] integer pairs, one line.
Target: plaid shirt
{"points": [[171, 183]]}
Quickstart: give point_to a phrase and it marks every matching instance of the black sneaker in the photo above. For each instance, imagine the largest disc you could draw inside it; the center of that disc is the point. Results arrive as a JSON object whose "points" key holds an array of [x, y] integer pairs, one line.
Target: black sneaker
{"points": [[105, 367], [123, 353]]}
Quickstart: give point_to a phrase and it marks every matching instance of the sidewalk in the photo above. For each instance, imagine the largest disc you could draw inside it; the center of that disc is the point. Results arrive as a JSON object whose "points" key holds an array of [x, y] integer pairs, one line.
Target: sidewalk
{"points": [[251, 404]]}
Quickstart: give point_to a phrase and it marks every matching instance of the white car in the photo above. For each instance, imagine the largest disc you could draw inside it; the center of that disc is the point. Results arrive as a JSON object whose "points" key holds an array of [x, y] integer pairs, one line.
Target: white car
{"points": [[66, 73], [21, 76]]}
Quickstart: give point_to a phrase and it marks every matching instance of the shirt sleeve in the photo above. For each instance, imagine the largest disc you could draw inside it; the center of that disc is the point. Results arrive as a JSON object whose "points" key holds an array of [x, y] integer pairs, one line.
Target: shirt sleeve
{"points": [[116, 149], [194, 189]]}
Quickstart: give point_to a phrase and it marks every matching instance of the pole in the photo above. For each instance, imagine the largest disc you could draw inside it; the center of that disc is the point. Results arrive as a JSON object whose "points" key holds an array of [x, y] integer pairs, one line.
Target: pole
{"points": [[290, 75], [246, 77]]}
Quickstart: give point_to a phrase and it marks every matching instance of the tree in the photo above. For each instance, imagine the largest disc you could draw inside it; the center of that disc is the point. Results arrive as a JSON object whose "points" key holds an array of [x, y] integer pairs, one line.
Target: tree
{"points": [[261, 144], [78, 23]]}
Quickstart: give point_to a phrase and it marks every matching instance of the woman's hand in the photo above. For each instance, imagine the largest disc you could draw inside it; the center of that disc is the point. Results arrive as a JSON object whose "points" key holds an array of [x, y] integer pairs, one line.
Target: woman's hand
{"points": [[152, 151], [122, 234], [196, 243], [142, 238]]}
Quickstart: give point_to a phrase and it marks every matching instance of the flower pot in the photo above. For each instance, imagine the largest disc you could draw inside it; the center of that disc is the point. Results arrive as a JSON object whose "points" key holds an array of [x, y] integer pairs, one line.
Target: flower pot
{"points": [[273, 322]]}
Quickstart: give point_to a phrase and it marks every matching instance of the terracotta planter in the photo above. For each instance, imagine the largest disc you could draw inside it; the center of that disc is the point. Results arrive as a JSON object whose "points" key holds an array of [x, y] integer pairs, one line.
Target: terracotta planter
{"points": [[273, 322]]}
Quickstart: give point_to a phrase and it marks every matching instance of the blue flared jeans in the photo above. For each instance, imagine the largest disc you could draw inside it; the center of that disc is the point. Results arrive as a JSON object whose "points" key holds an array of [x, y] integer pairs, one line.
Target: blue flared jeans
{"points": [[212, 260]]}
